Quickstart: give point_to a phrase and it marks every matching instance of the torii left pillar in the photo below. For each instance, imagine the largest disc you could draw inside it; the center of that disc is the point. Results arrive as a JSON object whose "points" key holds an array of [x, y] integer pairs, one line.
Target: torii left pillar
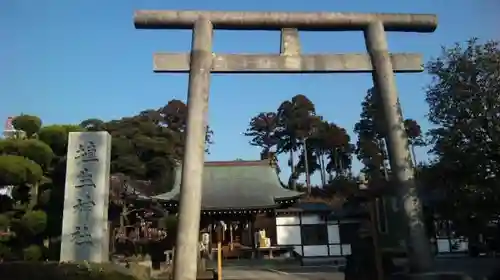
{"points": [[194, 156]]}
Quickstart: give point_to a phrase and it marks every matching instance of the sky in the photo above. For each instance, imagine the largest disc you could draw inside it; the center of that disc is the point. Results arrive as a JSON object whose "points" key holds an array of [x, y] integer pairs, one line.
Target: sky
{"points": [[67, 61]]}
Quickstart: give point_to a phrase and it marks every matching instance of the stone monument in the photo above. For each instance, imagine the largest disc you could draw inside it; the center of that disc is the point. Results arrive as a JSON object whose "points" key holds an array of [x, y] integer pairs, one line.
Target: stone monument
{"points": [[85, 232]]}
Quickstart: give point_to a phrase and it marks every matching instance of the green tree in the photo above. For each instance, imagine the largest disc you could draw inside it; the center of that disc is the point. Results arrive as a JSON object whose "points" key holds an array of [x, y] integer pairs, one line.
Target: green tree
{"points": [[371, 147], [23, 163], [145, 147], [464, 106], [93, 125], [51, 198], [263, 130], [18, 170], [28, 124], [295, 122], [415, 137], [149, 145], [33, 149], [370, 129], [333, 149], [56, 136], [295, 127]]}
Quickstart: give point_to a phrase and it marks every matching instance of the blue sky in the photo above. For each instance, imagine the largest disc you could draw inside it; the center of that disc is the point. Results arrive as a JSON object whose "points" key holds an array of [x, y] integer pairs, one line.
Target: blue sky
{"points": [[67, 61]]}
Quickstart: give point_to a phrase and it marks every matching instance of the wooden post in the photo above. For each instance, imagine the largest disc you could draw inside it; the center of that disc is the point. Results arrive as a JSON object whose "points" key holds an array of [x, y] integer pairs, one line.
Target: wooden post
{"points": [[231, 245], [210, 232], [219, 251]]}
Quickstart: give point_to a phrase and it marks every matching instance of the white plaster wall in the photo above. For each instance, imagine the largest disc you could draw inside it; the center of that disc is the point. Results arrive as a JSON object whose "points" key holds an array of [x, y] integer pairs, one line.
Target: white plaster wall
{"points": [[288, 232], [443, 245], [333, 234], [287, 220], [463, 245], [298, 250], [315, 251], [339, 250], [312, 219], [288, 235], [96, 218]]}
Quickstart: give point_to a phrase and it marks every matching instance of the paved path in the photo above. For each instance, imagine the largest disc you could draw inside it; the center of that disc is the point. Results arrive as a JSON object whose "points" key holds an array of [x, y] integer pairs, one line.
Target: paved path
{"points": [[316, 275], [313, 272], [477, 268], [251, 273]]}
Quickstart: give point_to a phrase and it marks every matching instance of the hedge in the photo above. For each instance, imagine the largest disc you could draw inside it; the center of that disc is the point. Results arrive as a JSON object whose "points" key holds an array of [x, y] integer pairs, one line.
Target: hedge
{"points": [[62, 271]]}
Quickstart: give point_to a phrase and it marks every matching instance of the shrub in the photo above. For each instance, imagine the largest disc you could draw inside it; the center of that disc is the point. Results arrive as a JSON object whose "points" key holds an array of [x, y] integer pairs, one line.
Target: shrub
{"points": [[62, 271], [32, 253], [34, 222], [29, 124], [18, 170]]}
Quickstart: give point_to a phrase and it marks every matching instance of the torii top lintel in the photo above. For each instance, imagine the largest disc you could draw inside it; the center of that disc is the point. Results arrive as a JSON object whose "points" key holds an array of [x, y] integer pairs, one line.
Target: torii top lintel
{"points": [[309, 21]]}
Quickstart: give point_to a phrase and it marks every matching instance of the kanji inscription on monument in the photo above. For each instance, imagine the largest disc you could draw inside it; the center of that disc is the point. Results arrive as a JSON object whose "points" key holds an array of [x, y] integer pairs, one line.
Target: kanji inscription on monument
{"points": [[85, 233]]}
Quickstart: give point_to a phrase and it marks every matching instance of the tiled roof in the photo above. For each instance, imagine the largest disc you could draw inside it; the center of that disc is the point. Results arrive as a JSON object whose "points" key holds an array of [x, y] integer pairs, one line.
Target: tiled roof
{"points": [[236, 185]]}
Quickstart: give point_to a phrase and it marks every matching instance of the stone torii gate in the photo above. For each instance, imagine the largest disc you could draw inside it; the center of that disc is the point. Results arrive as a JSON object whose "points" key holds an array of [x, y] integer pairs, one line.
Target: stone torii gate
{"points": [[201, 62]]}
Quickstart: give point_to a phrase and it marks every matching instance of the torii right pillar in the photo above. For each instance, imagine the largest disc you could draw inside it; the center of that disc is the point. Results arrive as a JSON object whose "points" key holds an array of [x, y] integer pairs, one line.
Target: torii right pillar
{"points": [[418, 244]]}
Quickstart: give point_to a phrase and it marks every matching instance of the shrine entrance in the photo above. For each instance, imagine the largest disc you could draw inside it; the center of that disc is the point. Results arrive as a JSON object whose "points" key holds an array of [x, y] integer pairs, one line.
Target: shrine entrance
{"points": [[201, 62]]}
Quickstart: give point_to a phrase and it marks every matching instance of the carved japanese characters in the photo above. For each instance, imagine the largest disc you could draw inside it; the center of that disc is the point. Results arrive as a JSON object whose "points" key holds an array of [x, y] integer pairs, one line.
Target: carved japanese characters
{"points": [[85, 233]]}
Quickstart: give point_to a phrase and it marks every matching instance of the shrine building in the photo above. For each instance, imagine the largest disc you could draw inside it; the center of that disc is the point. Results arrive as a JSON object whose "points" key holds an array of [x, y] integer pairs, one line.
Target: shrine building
{"points": [[258, 212]]}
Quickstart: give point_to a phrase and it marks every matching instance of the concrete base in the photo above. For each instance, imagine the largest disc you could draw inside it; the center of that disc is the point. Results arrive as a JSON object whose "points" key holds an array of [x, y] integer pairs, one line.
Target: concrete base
{"points": [[432, 276]]}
